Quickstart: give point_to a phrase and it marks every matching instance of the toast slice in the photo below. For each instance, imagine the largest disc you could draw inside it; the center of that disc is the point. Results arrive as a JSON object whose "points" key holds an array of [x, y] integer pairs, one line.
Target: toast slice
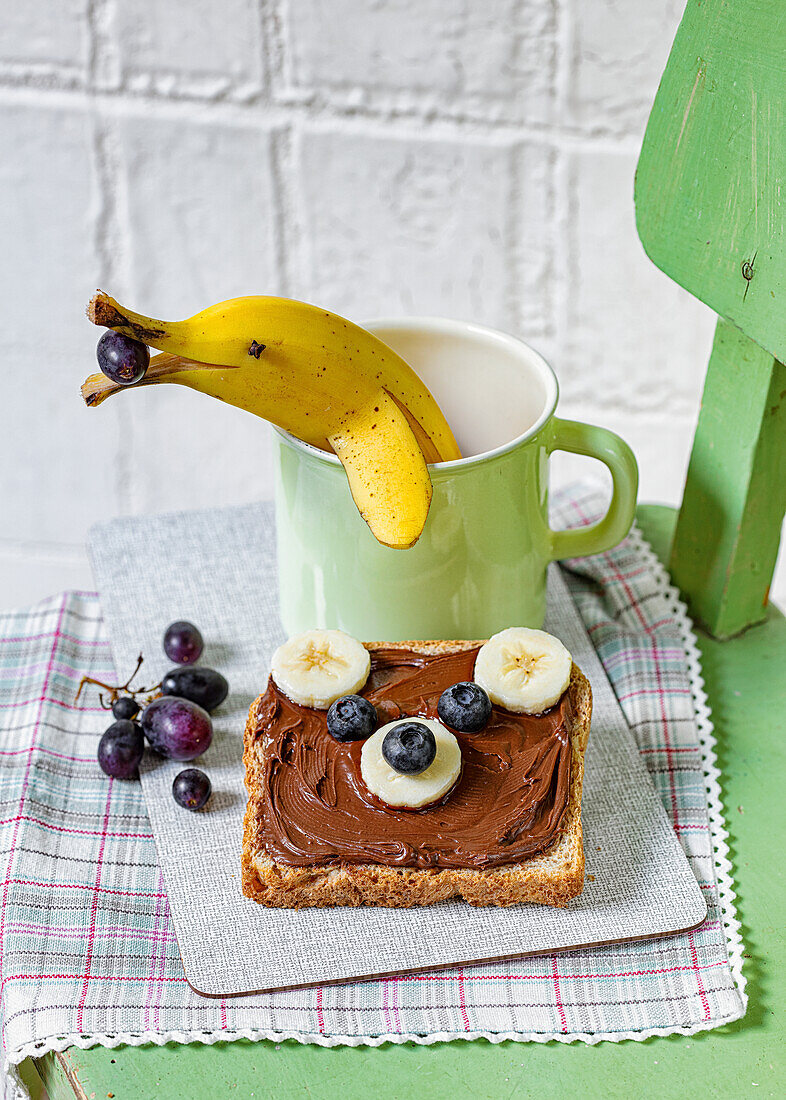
{"points": [[551, 878]]}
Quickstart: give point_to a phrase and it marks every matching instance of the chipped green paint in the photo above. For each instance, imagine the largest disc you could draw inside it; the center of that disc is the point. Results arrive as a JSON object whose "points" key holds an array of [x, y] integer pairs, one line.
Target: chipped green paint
{"points": [[710, 196]]}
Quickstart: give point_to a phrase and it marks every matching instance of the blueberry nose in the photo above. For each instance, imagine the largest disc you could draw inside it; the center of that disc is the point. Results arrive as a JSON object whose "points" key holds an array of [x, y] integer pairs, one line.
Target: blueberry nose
{"points": [[409, 748]]}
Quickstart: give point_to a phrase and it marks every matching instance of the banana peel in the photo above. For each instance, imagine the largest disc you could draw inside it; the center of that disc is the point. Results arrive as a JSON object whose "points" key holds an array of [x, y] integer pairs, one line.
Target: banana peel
{"points": [[318, 376], [386, 470]]}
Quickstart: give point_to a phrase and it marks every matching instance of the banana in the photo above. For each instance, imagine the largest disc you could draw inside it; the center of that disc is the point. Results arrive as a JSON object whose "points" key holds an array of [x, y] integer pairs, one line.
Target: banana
{"points": [[375, 448], [526, 671], [411, 792], [317, 667], [314, 374]]}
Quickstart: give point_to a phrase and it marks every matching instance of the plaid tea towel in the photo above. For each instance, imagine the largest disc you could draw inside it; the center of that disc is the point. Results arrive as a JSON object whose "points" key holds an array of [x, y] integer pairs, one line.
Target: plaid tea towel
{"points": [[87, 950]]}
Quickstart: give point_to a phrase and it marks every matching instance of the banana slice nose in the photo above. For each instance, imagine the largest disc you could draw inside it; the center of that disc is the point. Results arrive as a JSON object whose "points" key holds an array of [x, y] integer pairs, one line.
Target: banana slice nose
{"points": [[524, 670], [317, 667]]}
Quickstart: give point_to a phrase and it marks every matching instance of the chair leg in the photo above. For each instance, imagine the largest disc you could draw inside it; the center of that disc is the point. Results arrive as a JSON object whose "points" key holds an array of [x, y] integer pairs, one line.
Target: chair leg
{"points": [[729, 526]]}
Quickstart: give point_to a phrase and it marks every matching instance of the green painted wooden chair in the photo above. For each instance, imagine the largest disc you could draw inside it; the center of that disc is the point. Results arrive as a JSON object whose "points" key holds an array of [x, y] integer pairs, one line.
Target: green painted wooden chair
{"points": [[711, 212]]}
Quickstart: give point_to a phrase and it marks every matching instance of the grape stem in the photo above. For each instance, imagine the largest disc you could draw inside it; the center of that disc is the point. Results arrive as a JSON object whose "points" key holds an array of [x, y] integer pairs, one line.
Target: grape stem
{"points": [[116, 690]]}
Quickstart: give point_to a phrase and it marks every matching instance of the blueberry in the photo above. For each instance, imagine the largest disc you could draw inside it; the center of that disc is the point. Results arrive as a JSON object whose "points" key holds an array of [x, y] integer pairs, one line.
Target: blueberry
{"points": [[120, 750], [464, 707], [409, 748], [191, 788], [183, 642], [125, 707], [351, 718], [203, 686]]}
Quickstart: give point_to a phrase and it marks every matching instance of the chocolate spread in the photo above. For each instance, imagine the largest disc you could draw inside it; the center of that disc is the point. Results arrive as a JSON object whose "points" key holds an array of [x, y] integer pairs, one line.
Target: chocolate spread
{"points": [[507, 805]]}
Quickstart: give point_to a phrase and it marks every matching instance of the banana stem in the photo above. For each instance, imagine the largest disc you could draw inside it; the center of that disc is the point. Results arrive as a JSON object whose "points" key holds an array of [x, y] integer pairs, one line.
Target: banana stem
{"points": [[104, 311], [98, 387]]}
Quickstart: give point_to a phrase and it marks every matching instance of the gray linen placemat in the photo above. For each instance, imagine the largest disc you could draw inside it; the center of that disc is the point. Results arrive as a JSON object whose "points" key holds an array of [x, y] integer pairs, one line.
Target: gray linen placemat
{"points": [[218, 569]]}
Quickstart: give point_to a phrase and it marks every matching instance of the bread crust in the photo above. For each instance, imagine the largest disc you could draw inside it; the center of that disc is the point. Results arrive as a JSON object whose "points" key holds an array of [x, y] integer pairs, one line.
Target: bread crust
{"points": [[551, 878]]}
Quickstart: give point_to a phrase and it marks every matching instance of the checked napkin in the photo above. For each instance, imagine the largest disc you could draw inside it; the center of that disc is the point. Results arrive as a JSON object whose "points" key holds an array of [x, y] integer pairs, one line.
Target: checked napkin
{"points": [[87, 950]]}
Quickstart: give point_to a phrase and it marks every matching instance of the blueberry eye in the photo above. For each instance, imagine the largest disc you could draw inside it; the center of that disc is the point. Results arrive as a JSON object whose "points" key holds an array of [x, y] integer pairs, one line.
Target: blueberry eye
{"points": [[351, 718], [464, 707], [409, 748]]}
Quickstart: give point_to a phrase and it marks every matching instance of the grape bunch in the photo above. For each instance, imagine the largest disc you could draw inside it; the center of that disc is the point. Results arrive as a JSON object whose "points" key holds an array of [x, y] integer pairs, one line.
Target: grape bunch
{"points": [[176, 723]]}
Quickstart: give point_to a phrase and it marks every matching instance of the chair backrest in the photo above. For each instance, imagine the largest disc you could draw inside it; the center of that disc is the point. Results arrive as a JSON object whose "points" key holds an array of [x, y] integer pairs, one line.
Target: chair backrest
{"points": [[710, 187]]}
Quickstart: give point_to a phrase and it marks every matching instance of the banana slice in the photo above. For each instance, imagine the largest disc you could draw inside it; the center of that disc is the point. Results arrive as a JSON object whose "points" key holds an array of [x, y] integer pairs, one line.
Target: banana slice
{"points": [[319, 666], [411, 792], [526, 671]]}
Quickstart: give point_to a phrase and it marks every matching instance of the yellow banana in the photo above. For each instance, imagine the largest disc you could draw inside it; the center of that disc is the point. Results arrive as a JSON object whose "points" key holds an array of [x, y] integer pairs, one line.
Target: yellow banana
{"points": [[322, 378], [312, 348], [376, 449]]}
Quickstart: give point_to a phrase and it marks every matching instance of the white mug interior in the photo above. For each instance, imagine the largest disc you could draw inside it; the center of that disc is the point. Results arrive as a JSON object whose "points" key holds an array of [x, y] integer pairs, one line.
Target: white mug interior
{"points": [[493, 388]]}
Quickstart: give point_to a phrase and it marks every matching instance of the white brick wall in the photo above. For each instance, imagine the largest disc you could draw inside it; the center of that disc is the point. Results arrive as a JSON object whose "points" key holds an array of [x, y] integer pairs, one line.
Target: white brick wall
{"points": [[405, 156], [457, 59], [402, 226], [196, 48]]}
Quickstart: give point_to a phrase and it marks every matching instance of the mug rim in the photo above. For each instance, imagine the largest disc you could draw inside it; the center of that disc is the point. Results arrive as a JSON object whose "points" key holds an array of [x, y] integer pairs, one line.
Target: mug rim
{"points": [[445, 325]]}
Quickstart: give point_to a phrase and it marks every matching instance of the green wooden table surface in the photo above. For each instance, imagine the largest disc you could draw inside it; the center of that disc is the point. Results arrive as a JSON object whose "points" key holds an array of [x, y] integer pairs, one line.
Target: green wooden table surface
{"points": [[747, 690]]}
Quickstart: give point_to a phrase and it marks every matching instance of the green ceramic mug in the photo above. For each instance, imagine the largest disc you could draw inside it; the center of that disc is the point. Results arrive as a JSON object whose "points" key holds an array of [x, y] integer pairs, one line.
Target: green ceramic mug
{"points": [[480, 564]]}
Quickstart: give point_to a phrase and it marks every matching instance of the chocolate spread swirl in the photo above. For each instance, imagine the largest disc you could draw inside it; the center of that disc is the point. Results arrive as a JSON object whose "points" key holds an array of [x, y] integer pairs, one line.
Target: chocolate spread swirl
{"points": [[507, 805]]}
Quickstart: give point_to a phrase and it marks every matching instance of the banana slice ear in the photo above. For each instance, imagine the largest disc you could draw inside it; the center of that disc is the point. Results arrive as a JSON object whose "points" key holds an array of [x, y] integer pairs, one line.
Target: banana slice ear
{"points": [[317, 667], [524, 670], [386, 470]]}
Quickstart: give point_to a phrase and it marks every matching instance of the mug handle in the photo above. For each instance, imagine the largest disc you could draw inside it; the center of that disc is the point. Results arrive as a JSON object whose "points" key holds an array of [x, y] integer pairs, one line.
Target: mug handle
{"points": [[600, 443]]}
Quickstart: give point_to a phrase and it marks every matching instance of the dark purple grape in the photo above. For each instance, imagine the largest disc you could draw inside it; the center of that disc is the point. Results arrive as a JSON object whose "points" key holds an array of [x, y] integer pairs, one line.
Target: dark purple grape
{"points": [[191, 788], [177, 728], [122, 359], [125, 707], [203, 686], [183, 643], [121, 749]]}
